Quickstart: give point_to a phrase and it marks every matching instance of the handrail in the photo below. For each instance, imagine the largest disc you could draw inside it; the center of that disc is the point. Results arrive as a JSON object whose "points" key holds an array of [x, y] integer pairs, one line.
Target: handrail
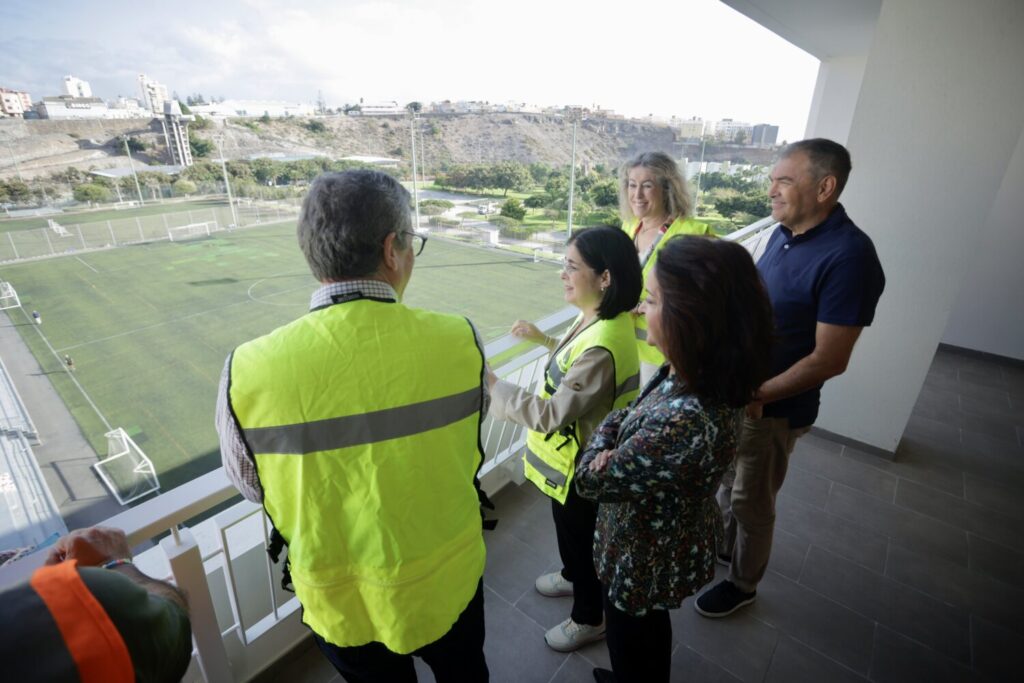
{"points": [[219, 651]]}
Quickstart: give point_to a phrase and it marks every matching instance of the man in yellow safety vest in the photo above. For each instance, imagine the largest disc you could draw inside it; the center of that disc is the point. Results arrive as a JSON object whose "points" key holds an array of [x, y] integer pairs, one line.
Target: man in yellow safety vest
{"points": [[357, 427]]}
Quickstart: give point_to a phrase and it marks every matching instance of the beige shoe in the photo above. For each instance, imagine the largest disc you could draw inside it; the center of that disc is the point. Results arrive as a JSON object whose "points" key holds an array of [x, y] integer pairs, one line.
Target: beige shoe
{"points": [[553, 585], [569, 635]]}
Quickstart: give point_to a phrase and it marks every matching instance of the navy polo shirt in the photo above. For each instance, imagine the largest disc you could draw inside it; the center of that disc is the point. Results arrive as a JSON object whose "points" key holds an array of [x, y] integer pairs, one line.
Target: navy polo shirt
{"points": [[829, 274]]}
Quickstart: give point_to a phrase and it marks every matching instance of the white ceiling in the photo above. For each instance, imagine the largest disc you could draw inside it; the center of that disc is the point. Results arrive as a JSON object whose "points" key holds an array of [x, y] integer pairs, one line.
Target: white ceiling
{"points": [[824, 28]]}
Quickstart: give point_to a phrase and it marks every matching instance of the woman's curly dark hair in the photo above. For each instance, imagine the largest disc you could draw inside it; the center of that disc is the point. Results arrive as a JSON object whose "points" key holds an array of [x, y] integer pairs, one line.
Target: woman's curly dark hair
{"points": [[716, 319]]}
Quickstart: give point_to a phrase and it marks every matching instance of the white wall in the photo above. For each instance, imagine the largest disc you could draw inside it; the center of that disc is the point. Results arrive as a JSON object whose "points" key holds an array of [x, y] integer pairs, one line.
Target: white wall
{"points": [[835, 97], [939, 111], [989, 314]]}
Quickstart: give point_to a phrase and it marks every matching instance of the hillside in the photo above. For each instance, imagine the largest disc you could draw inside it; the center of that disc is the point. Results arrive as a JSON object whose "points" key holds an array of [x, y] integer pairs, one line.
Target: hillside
{"points": [[42, 146]]}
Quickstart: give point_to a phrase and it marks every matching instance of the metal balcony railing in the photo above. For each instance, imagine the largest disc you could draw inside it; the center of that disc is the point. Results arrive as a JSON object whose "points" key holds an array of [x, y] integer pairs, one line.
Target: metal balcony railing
{"points": [[241, 619]]}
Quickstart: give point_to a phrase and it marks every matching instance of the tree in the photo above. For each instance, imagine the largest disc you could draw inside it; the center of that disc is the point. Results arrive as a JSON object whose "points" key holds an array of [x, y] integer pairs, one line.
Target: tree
{"points": [[539, 172], [315, 126], [200, 148], [136, 145], [265, 118], [183, 187], [510, 175], [536, 201], [605, 193], [15, 190], [741, 137], [414, 107], [513, 208], [91, 192]]}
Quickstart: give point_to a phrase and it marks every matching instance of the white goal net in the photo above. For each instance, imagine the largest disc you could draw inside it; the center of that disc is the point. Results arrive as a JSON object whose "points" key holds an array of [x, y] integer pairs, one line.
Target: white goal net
{"points": [[58, 228], [8, 297], [126, 470], [191, 231]]}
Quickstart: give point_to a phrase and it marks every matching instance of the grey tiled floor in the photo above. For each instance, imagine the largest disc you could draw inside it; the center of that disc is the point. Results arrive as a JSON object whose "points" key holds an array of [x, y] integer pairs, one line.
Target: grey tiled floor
{"points": [[882, 571]]}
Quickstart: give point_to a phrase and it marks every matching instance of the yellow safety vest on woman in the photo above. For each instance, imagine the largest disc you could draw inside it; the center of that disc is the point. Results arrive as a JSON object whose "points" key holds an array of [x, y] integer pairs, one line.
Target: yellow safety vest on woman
{"points": [[364, 421], [680, 226], [550, 459]]}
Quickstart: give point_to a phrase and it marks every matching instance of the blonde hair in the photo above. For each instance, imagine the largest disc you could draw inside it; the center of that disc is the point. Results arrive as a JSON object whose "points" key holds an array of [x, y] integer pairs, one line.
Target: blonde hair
{"points": [[678, 201]]}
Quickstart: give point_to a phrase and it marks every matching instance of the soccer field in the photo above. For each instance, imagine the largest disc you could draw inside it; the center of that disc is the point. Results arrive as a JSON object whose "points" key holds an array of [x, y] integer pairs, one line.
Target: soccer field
{"points": [[149, 326]]}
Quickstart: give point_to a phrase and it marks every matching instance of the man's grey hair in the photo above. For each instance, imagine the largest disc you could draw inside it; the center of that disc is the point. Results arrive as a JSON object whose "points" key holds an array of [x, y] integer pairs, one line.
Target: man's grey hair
{"points": [[827, 157], [345, 219]]}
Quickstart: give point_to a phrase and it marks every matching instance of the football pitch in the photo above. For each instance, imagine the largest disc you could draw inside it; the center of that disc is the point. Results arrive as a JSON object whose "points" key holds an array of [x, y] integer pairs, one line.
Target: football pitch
{"points": [[149, 326]]}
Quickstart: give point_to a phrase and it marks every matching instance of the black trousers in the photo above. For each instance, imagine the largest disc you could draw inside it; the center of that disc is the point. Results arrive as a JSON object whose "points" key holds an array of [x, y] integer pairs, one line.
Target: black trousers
{"points": [[640, 647], [455, 657], [574, 529]]}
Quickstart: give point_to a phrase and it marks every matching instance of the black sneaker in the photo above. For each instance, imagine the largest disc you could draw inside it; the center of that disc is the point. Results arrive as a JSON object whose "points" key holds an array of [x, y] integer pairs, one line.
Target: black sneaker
{"points": [[722, 600]]}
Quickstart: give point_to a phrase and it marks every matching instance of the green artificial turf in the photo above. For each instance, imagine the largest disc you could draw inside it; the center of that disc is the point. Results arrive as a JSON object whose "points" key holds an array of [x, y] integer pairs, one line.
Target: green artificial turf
{"points": [[149, 326]]}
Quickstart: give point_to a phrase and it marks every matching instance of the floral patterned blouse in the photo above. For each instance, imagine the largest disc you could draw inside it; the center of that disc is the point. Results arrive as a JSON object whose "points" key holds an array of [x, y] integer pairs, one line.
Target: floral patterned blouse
{"points": [[656, 526]]}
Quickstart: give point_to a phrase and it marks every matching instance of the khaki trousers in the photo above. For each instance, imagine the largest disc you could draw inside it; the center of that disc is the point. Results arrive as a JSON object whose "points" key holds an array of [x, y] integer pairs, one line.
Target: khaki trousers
{"points": [[747, 496]]}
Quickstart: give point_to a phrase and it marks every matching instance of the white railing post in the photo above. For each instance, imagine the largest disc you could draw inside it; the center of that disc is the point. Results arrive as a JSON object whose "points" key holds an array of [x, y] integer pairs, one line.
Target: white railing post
{"points": [[190, 575]]}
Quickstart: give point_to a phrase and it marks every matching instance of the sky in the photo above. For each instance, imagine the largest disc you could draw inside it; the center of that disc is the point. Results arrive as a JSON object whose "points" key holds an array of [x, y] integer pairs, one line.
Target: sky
{"points": [[683, 58]]}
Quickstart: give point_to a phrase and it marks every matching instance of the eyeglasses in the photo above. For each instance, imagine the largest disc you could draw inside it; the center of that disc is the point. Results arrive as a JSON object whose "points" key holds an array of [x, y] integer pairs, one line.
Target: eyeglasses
{"points": [[416, 236]]}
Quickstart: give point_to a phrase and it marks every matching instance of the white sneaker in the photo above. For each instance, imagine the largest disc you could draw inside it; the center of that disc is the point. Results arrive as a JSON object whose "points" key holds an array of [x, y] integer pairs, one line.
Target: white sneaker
{"points": [[569, 635], [553, 585]]}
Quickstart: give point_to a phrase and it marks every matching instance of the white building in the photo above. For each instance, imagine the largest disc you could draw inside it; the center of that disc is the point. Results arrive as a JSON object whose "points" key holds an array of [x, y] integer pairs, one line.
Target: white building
{"points": [[254, 108], [726, 130], [14, 103], [154, 94], [76, 87], [65, 107], [380, 109], [690, 129]]}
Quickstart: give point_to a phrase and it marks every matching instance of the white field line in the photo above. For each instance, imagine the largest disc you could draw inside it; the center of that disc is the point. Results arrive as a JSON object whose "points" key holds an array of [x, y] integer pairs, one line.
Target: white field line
{"points": [[87, 265], [154, 325], [70, 374]]}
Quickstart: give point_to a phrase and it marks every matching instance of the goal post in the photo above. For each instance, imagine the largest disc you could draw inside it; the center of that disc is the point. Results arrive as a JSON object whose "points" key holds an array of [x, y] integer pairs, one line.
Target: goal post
{"points": [[8, 296], [191, 231], [126, 471], [58, 228]]}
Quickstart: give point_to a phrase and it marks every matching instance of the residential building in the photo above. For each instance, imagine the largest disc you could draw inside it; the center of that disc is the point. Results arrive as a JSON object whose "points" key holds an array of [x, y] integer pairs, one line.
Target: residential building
{"points": [[764, 135], [14, 103], [68, 107], [690, 129], [728, 130], [154, 94], [76, 87], [253, 108]]}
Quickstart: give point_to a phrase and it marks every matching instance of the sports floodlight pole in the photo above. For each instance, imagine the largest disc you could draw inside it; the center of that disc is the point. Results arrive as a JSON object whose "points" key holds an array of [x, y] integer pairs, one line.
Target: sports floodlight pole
{"points": [[572, 178], [131, 165], [415, 190], [700, 169], [227, 185]]}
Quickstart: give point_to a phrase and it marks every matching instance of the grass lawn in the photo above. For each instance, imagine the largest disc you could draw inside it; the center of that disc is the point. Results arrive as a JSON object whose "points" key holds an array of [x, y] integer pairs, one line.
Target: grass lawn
{"points": [[149, 326], [108, 214]]}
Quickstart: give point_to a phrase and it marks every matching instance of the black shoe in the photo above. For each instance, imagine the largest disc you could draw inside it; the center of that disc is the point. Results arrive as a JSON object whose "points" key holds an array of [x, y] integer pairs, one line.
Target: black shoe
{"points": [[722, 600], [723, 559], [604, 676]]}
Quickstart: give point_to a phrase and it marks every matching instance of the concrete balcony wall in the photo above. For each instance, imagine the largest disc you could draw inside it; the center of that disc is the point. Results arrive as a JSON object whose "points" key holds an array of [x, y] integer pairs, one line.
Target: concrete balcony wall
{"points": [[835, 97], [938, 113], [988, 315]]}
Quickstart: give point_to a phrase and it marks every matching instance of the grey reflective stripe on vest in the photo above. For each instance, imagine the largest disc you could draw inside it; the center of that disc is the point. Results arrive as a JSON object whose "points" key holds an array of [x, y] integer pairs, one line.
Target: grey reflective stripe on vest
{"points": [[631, 384], [354, 430], [555, 373], [641, 333], [553, 476]]}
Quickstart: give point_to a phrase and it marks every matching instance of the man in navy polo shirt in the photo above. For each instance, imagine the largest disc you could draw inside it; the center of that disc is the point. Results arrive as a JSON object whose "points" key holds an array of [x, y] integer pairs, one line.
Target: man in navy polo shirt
{"points": [[824, 280]]}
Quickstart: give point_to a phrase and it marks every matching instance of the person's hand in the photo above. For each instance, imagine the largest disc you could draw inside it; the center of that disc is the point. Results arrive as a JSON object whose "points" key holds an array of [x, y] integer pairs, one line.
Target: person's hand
{"points": [[91, 547], [755, 409], [524, 329], [600, 461]]}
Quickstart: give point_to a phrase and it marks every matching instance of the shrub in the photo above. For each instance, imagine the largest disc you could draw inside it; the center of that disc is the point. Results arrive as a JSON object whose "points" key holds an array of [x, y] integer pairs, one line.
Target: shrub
{"points": [[513, 208], [183, 187]]}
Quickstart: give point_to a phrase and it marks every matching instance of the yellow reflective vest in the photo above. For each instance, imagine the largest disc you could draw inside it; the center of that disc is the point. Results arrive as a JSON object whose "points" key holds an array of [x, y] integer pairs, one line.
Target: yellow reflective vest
{"points": [[550, 459], [688, 226], [363, 418]]}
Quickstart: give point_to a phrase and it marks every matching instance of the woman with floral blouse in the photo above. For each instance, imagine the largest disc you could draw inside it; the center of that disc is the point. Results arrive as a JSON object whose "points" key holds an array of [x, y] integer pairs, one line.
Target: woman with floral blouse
{"points": [[654, 467]]}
